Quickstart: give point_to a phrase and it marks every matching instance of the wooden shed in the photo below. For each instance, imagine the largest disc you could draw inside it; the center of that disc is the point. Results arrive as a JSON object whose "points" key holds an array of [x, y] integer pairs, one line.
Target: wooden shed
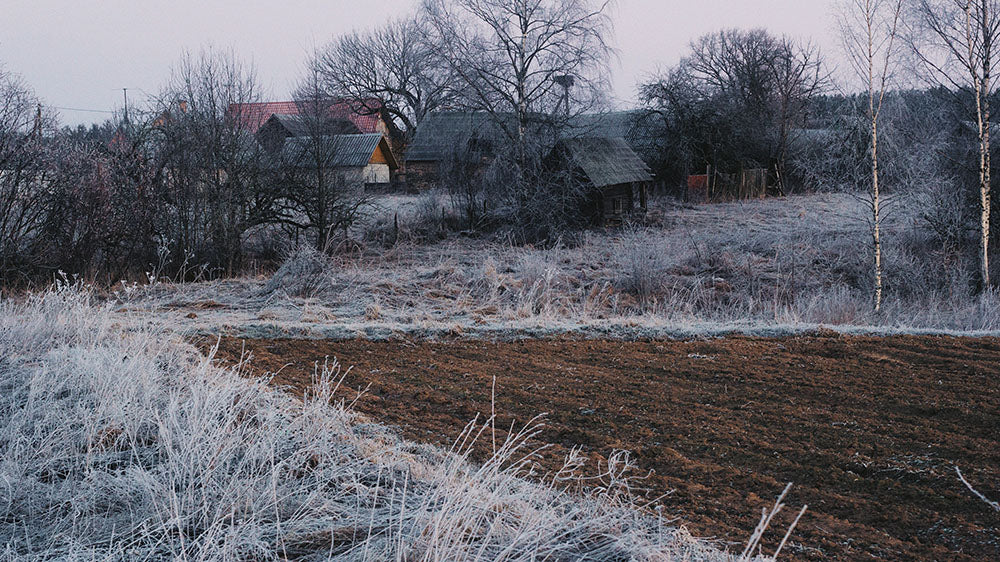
{"points": [[358, 159], [618, 179]]}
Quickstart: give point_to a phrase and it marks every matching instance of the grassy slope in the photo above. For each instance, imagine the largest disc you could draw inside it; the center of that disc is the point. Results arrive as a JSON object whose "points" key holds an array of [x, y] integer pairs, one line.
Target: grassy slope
{"points": [[120, 443]]}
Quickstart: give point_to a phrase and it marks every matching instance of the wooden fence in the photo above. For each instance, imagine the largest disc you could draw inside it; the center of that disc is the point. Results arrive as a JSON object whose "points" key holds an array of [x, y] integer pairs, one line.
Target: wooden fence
{"points": [[716, 187]]}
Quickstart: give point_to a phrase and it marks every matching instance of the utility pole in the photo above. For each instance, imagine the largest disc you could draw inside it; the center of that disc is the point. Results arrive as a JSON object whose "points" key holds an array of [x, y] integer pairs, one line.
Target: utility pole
{"points": [[36, 130], [566, 81], [125, 93]]}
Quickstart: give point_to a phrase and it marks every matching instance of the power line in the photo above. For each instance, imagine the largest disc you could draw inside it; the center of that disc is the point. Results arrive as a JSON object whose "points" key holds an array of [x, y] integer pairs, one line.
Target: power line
{"points": [[84, 110]]}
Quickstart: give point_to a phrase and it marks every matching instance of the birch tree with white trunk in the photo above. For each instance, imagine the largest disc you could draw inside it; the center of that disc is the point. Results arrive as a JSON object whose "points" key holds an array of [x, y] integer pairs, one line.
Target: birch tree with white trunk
{"points": [[955, 39], [870, 31]]}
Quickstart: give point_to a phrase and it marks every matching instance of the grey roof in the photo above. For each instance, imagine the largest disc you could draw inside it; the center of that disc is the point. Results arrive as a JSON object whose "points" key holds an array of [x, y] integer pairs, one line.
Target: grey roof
{"points": [[605, 161], [615, 124], [642, 130], [304, 126], [345, 151], [443, 132]]}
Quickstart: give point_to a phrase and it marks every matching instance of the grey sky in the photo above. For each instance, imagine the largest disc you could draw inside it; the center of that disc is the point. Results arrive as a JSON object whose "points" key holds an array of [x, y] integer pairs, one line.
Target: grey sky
{"points": [[81, 53]]}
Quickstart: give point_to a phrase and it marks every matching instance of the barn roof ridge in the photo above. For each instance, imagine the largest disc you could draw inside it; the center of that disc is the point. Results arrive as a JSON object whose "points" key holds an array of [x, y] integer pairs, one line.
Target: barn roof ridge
{"points": [[443, 132]]}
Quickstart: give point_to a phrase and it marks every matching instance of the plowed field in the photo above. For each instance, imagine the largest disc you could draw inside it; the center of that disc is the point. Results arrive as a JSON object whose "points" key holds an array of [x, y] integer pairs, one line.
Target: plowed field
{"points": [[869, 429]]}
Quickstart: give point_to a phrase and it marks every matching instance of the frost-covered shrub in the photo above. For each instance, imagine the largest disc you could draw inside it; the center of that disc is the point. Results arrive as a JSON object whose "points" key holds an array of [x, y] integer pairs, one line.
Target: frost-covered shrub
{"points": [[304, 272], [642, 263]]}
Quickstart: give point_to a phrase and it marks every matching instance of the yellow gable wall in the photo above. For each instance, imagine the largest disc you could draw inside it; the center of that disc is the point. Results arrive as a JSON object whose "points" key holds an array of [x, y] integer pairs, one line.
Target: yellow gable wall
{"points": [[379, 156]]}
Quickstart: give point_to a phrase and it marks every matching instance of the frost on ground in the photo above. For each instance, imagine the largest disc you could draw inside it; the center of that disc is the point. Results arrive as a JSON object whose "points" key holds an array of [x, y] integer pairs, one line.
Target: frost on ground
{"points": [[122, 443], [770, 267]]}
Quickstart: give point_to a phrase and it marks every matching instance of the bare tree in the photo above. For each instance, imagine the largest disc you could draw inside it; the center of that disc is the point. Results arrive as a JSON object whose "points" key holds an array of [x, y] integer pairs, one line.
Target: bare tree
{"points": [[955, 39], [104, 203], [213, 162], [508, 57], [25, 170], [738, 100], [869, 30], [392, 68], [798, 77], [767, 81], [325, 196]]}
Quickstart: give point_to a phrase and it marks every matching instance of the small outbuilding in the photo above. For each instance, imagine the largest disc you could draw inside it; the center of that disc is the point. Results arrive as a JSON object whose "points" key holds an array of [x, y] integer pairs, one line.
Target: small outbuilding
{"points": [[617, 179], [358, 159], [445, 136]]}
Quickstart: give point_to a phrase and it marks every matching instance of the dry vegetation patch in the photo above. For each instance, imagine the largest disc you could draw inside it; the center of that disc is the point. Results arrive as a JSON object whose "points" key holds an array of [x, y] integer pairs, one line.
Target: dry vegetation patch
{"points": [[799, 261]]}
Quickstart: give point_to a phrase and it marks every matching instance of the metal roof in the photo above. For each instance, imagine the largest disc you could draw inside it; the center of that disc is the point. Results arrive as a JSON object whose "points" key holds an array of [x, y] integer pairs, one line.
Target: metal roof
{"points": [[344, 151], [605, 161], [642, 130], [304, 126]]}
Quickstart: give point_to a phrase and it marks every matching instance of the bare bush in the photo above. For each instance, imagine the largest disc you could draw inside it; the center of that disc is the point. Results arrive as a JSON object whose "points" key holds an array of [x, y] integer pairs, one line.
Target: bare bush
{"points": [[766, 263], [25, 165], [643, 264]]}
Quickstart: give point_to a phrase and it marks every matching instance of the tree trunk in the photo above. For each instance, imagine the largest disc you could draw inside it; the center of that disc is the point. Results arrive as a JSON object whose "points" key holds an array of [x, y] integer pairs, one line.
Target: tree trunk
{"points": [[873, 115], [984, 202], [876, 216], [983, 123]]}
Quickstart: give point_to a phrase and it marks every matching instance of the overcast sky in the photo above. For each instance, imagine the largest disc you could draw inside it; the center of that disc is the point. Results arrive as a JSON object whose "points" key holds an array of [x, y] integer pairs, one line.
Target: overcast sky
{"points": [[81, 53]]}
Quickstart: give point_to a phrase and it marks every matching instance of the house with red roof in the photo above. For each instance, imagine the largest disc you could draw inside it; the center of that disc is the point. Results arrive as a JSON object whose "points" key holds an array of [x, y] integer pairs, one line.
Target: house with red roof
{"points": [[254, 115]]}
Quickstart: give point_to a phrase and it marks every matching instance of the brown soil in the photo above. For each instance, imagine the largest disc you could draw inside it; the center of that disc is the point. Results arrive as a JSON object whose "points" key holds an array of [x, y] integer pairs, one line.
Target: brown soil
{"points": [[868, 429]]}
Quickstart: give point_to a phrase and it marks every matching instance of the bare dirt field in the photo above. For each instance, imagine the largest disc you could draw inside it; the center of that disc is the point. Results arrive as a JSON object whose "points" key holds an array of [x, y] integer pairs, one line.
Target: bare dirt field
{"points": [[869, 429]]}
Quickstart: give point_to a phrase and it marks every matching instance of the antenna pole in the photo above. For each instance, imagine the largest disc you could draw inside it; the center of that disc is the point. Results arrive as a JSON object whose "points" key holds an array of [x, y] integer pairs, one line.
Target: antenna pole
{"points": [[37, 129]]}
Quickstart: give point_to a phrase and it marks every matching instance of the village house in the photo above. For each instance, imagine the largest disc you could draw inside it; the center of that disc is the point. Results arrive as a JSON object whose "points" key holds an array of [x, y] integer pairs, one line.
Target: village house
{"points": [[616, 180], [355, 145], [253, 116], [356, 159], [450, 135], [593, 153], [279, 127]]}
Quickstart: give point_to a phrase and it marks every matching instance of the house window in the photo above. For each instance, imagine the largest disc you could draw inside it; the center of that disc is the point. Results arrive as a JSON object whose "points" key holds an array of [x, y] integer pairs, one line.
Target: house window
{"points": [[616, 206]]}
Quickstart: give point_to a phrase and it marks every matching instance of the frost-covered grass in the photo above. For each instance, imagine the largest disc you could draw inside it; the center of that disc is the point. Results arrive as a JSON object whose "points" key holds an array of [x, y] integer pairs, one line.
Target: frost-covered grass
{"points": [[770, 266], [119, 442]]}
